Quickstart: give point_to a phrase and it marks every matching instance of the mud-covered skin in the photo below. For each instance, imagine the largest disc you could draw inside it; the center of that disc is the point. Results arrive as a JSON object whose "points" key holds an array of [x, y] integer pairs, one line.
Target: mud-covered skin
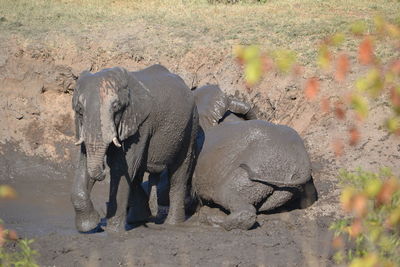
{"points": [[249, 166], [153, 114], [245, 166], [213, 104]]}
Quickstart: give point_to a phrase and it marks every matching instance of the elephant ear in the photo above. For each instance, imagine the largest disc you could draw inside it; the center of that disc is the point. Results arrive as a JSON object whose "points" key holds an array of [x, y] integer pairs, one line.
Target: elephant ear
{"points": [[137, 110]]}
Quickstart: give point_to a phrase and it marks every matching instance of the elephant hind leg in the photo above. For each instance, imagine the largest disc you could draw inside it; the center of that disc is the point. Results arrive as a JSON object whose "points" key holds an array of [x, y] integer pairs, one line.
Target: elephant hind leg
{"points": [[243, 214], [180, 175], [177, 192], [276, 200], [243, 217]]}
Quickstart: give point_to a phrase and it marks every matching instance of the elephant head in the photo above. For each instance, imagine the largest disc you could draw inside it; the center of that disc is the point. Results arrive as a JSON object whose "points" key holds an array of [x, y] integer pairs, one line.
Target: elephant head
{"points": [[109, 107], [213, 105]]}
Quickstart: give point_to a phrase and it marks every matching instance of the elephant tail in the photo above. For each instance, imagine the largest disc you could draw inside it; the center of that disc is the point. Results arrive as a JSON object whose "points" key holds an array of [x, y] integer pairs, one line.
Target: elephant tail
{"points": [[256, 178]]}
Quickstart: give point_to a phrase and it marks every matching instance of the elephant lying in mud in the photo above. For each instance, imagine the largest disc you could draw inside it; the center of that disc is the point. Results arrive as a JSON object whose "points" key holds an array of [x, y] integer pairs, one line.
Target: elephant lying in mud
{"points": [[245, 166], [153, 114]]}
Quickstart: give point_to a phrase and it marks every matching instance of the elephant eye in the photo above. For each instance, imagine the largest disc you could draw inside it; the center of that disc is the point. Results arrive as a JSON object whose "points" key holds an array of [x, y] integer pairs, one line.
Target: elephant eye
{"points": [[79, 110], [116, 106]]}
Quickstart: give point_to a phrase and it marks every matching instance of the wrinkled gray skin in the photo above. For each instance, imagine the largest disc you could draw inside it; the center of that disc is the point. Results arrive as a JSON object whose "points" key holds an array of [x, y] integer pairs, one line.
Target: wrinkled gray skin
{"points": [[214, 105], [153, 115], [245, 167]]}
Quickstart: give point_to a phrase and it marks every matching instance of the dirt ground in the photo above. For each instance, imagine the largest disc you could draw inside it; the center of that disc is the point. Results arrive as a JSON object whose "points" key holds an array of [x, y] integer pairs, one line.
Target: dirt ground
{"points": [[37, 159]]}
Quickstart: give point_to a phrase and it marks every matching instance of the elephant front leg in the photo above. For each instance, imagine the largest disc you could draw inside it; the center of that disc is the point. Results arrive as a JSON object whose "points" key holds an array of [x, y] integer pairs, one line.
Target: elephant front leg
{"points": [[125, 191], [118, 204], [86, 217]]}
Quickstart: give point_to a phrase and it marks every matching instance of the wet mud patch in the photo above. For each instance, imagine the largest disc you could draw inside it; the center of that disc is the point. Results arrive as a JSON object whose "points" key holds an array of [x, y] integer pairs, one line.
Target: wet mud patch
{"points": [[43, 211]]}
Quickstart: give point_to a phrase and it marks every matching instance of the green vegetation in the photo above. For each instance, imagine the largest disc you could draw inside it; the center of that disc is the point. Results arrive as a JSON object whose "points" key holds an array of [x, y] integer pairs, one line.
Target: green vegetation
{"points": [[372, 231], [24, 256]]}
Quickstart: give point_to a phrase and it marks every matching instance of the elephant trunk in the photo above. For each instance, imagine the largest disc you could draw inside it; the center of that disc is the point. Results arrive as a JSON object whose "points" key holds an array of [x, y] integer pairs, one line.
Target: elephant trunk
{"points": [[95, 161]]}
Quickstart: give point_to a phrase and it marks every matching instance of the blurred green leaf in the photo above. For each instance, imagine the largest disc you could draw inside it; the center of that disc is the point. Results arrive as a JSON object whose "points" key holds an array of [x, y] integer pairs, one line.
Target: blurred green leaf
{"points": [[360, 105], [338, 39], [284, 59], [373, 187], [7, 191], [253, 71], [324, 57], [379, 23], [372, 83], [358, 27], [393, 124]]}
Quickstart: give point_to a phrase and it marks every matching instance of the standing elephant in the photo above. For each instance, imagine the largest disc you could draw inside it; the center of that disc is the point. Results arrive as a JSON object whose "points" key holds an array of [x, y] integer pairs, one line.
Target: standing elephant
{"points": [[246, 166], [138, 121]]}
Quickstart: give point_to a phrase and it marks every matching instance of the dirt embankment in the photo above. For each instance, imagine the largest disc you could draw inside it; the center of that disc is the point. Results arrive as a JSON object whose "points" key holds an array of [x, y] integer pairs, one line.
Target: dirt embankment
{"points": [[37, 133]]}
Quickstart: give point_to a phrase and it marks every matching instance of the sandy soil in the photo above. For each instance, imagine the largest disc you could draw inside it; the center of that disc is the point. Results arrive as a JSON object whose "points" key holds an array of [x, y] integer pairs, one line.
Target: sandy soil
{"points": [[37, 159]]}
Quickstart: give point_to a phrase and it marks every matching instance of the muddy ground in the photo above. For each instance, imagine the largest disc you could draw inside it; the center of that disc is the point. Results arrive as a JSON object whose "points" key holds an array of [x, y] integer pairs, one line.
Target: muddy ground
{"points": [[37, 159]]}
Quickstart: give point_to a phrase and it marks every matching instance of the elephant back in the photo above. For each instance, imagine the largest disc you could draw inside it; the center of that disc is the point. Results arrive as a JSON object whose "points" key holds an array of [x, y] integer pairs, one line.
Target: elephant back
{"points": [[273, 153]]}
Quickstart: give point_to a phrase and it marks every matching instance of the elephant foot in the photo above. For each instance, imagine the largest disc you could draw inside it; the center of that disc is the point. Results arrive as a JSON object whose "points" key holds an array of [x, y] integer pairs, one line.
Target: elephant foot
{"points": [[86, 222], [116, 225], [242, 219], [173, 220], [211, 216]]}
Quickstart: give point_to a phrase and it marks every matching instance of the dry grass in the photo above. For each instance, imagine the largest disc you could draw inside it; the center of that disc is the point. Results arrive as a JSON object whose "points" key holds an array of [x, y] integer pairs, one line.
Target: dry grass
{"points": [[176, 26]]}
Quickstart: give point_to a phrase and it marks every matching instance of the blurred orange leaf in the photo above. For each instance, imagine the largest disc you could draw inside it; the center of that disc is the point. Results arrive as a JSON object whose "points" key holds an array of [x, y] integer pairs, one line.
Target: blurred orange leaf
{"points": [[360, 205], [338, 147], [342, 67], [395, 96], [339, 110], [354, 136], [365, 51], [12, 235], [2, 235], [337, 242], [355, 228], [385, 195], [395, 67], [312, 88]]}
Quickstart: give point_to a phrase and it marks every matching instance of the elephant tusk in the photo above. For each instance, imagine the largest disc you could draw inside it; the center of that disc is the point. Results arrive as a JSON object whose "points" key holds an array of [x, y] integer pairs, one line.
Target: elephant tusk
{"points": [[116, 143], [80, 141]]}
